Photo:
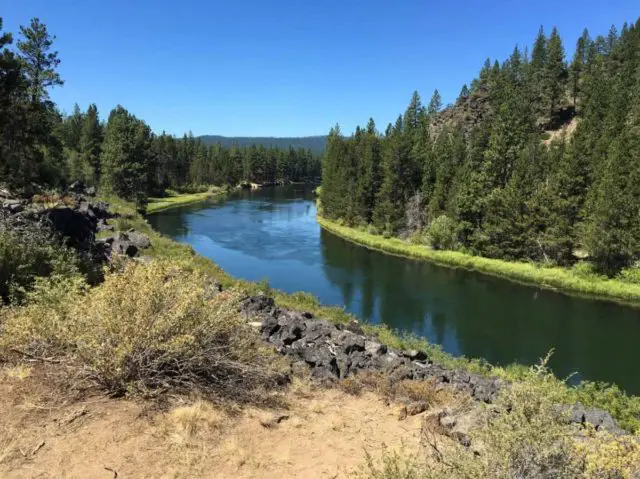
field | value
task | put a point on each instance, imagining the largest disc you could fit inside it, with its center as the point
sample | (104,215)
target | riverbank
(625,408)
(168,306)
(173,199)
(553,278)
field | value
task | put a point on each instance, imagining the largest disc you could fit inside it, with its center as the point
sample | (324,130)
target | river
(272,234)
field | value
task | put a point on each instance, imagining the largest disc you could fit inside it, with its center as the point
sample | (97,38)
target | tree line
(495,174)
(41,146)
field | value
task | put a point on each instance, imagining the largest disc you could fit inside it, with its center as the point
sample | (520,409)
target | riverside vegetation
(535,163)
(168,323)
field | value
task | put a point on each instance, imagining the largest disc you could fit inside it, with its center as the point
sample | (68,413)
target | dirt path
(322,433)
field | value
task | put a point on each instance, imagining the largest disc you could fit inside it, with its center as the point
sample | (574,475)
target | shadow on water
(272,233)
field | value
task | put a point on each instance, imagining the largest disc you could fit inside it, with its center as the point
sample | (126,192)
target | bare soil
(49,432)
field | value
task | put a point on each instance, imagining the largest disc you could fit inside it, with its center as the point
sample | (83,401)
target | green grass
(555,278)
(176,199)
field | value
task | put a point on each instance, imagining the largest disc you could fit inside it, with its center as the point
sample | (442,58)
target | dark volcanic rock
(334,351)
(601,420)
(128,244)
(73,224)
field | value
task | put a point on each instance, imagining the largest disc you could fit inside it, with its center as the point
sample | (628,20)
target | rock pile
(337,351)
(76,220)
(334,351)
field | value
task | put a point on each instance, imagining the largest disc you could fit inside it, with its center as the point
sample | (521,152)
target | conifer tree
(435,105)
(555,73)
(39,62)
(91,142)
(125,157)
(389,212)
(578,65)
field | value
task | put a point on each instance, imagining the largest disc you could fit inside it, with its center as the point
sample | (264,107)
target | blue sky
(287,68)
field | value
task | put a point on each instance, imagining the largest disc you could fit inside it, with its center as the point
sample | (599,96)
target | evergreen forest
(41,147)
(537,160)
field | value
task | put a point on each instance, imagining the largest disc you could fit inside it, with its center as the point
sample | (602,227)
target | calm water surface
(273,234)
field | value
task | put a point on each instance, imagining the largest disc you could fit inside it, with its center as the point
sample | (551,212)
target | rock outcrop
(334,351)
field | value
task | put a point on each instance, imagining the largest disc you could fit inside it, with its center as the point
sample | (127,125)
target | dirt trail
(322,433)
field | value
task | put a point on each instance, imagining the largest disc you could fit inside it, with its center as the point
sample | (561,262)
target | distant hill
(315,143)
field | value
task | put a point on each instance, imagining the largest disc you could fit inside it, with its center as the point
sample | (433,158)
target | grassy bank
(174,199)
(554,278)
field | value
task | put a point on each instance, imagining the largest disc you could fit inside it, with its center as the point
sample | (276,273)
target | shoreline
(157,205)
(555,278)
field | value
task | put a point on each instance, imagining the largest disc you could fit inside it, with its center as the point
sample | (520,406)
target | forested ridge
(316,144)
(40,147)
(538,159)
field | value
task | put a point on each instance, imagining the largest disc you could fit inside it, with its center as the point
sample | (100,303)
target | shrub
(625,408)
(630,275)
(149,328)
(29,250)
(523,435)
(586,271)
(372,229)
(442,233)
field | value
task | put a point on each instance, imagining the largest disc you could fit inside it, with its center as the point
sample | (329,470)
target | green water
(272,233)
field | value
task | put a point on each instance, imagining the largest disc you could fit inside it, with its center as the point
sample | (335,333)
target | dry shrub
(148,328)
(610,457)
(351,385)
(524,435)
(53,199)
(406,389)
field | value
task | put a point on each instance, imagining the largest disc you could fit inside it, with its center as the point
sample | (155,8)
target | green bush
(29,251)
(625,408)
(630,275)
(585,270)
(443,233)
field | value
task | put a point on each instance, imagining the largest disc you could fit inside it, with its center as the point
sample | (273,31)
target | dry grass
(523,435)
(406,391)
(20,372)
(188,423)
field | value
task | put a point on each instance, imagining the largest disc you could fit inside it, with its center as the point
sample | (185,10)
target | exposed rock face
(76,223)
(334,351)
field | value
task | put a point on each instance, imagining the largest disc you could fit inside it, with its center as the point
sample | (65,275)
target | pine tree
(38,61)
(612,230)
(91,142)
(464,93)
(435,105)
(413,122)
(555,73)
(390,207)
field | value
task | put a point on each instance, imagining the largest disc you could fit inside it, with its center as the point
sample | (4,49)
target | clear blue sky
(285,67)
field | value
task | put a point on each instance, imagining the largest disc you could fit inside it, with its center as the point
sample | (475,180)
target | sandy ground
(321,433)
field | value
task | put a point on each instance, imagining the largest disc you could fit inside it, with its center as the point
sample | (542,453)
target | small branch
(31,356)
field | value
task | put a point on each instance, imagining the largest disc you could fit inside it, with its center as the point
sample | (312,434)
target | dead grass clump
(405,390)
(189,422)
(147,329)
